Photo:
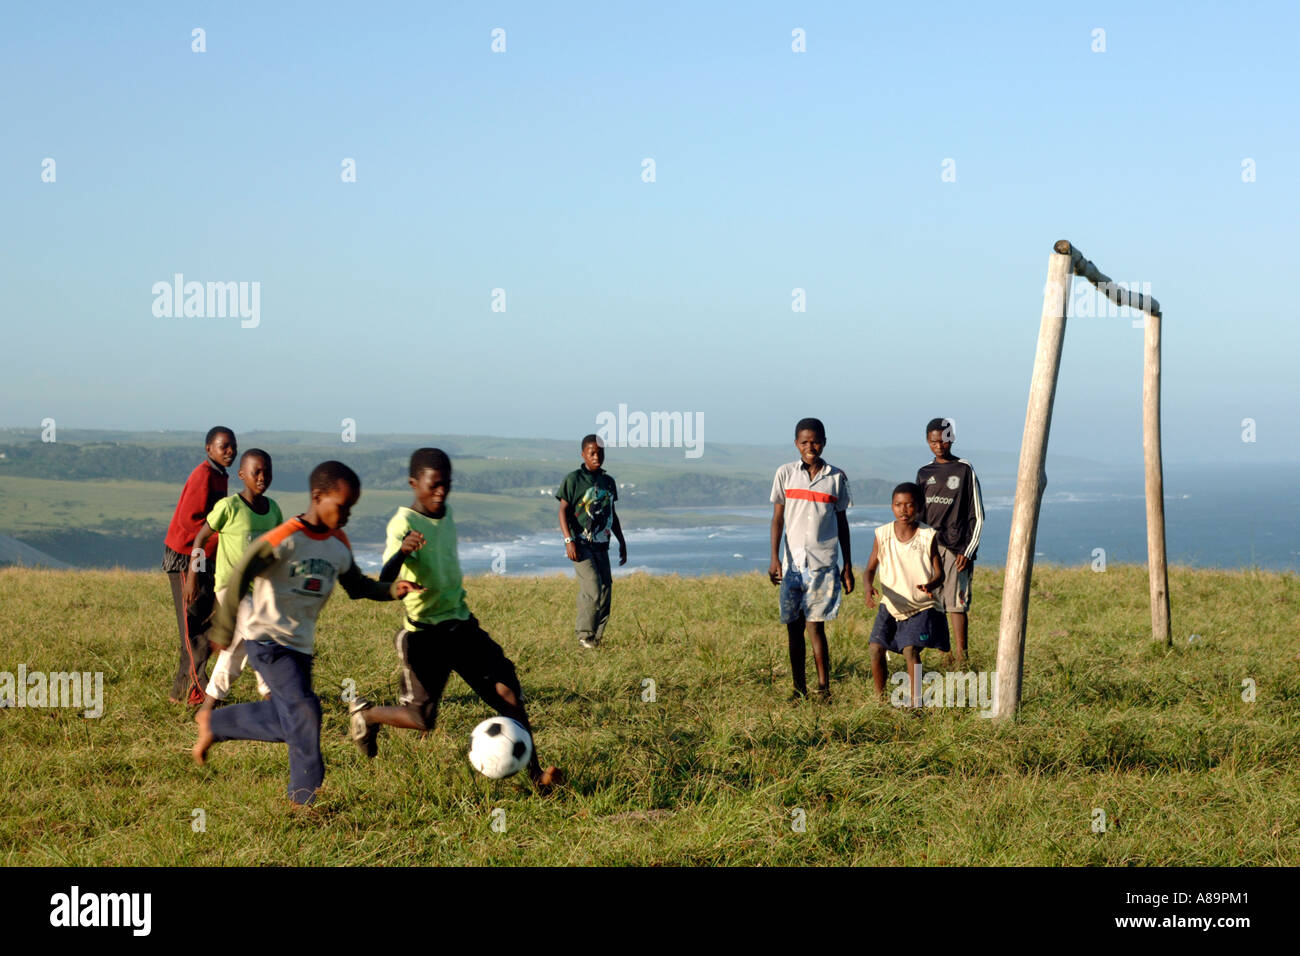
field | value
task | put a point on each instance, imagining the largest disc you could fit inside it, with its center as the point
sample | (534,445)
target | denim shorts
(812,594)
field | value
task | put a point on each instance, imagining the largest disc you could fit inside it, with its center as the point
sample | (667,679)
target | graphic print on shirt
(933,499)
(312,576)
(595,512)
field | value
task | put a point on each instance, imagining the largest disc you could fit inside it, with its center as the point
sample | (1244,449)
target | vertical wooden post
(1031,479)
(1157,564)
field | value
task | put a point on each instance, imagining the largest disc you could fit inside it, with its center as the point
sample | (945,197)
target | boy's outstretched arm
(869,575)
(617,530)
(778,526)
(257,557)
(842,529)
(358,586)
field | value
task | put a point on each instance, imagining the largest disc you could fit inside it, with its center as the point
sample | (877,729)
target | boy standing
(440,634)
(909,619)
(587,518)
(292,572)
(240,520)
(809,501)
(205,486)
(954,508)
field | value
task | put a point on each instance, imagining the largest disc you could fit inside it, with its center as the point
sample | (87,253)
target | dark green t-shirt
(591,497)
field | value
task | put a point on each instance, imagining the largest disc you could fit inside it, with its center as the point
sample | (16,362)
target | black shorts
(429,654)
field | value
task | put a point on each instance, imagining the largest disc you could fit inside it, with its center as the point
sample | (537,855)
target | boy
(292,571)
(809,500)
(587,518)
(205,486)
(910,619)
(240,519)
(954,508)
(440,634)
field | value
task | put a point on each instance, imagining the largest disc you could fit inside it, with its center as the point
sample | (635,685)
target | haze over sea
(1212,516)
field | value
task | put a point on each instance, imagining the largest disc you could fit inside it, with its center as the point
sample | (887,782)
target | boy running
(954,508)
(587,518)
(292,572)
(193,598)
(239,519)
(909,619)
(440,634)
(809,501)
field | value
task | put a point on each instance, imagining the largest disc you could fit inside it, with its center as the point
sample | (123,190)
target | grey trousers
(595,587)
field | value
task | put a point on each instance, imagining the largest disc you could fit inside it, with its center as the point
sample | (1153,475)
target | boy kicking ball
(440,634)
(910,619)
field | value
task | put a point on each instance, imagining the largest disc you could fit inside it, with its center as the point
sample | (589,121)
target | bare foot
(204,719)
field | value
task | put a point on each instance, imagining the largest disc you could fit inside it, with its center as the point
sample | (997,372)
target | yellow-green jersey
(435,567)
(237,526)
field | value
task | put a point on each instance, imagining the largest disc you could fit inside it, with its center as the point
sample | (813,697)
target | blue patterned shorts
(811,594)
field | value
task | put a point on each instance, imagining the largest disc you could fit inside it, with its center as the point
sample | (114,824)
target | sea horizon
(1089,522)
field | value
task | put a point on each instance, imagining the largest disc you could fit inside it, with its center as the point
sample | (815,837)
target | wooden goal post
(1031,478)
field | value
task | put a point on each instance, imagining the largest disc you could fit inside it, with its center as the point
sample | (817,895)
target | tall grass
(718,768)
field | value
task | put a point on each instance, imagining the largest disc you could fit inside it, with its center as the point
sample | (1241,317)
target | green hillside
(103,499)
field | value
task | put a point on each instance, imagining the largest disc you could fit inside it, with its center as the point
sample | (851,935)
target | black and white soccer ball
(499,747)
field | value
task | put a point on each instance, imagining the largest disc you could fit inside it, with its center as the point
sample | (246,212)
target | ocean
(1211,516)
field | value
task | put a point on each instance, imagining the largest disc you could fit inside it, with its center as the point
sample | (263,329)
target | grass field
(713,770)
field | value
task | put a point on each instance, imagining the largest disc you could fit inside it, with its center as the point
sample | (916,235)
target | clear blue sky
(775,170)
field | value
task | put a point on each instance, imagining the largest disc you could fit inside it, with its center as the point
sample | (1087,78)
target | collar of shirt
(220,469)
(824,470)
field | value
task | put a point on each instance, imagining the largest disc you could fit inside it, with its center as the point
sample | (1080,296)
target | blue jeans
(292,715)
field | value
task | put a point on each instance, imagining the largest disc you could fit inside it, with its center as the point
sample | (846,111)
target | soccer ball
(499,747)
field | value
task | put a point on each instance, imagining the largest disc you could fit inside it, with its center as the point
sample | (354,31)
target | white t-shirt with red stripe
(811,534)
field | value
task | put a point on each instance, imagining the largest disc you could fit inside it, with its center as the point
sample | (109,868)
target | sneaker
(823,695)
(588,643)
(364,735)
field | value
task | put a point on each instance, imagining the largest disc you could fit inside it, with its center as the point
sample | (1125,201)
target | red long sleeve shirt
(205,486)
